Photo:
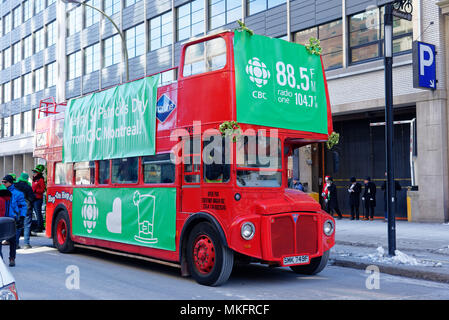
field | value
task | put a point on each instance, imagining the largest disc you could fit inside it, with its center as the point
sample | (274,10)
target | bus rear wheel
(210,261)
(315,266)
(61,233)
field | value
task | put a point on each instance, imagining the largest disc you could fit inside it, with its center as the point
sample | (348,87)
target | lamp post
(122,36)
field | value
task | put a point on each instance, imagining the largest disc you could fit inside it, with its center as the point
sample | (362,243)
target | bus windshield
(259,162)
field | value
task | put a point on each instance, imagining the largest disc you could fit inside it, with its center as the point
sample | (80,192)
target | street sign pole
(389,128)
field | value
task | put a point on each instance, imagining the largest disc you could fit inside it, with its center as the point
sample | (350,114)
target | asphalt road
(44,273)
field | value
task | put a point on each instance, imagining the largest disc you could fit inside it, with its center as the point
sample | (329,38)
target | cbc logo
(258,72)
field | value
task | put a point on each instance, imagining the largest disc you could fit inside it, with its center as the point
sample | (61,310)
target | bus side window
(84,173)
(205,57)
(217,167)
(63,173)
(125,170)
(158,169)
(103,172)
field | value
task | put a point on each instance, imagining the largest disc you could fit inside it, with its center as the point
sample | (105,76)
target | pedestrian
(38,186)
(397,187)
(369,197)
(333,199)
(15,208)
(325,194)
(297,185)
(23,185)
(355,189)
(5,196)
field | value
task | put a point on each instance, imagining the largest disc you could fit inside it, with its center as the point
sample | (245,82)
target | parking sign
(424,65)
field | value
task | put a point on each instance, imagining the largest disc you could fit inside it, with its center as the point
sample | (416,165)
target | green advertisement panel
(115,123)
(279,84)
(138,216)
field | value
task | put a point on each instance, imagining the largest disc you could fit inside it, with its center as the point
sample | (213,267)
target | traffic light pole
(389,128)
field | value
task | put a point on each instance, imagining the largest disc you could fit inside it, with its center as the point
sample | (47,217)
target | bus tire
(210,262)
(61,233)
(315,266)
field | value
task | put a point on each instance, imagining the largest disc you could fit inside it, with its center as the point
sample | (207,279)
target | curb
(408,272)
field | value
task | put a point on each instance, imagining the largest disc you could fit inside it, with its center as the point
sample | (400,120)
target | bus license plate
(296,260)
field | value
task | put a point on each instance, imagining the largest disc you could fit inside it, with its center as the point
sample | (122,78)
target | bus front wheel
(316,265)
(210,262)
(61,233)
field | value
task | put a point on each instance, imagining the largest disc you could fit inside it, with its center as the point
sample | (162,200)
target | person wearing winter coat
(39,190)
(23,185)
(333,199)
(5,196)
(369,197)
(354,190)
(16,208)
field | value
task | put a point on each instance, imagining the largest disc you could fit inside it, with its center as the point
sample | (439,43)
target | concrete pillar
(9,164)
(18,164)
(2,169)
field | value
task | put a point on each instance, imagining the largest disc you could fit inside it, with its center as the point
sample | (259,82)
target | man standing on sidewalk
(333,199)
(23,185)
(369,197)
(39,189)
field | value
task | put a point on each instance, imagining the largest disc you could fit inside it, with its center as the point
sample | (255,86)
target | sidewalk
(423,248)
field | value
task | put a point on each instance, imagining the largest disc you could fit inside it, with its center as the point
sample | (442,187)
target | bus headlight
(328,227)
(248,230)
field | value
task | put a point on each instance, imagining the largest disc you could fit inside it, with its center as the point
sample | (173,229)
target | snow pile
(399,258)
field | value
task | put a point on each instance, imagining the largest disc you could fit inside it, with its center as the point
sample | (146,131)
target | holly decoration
(230,129)
(244,27)
(334,138)
(314,46)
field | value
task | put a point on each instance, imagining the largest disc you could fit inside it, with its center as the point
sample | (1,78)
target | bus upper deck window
(103,172)
(158,169)
(125,170)
(205,57)
(63,173)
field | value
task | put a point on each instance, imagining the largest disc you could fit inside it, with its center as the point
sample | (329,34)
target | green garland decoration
(314,46)
(333,140)
(230,129)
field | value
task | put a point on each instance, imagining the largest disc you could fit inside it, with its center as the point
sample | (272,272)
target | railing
(49,106)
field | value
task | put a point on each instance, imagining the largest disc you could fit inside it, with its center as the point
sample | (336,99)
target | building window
(112,50)
(255,6)
(28,122)
(27,10)
(7,23)
(52,33)
(39,5)
(17,52)
(366,35)
(1,60)
(111,6)
(51,74)
(190,20)
(92,58)
(222,12)
(27,47)
(92,16)
(74,20)
(28,84)
(39,38)
(74,65)
(331,38)
(135,40)
(39,79)
(17,16)
(17,124)
(161,34)
(7,56)
(130,2)
(50,2)
(17,88)
(6,127)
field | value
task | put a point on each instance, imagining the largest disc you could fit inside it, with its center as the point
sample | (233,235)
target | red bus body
(288,222)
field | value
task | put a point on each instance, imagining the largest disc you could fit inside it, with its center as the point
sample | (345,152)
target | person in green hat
(38,186)
(24,185)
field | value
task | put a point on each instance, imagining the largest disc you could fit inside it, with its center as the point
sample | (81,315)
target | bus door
(191,175)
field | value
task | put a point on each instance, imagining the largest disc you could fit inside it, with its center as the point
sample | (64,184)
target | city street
(44,273)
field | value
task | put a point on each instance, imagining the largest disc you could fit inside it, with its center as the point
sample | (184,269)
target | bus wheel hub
(204,254)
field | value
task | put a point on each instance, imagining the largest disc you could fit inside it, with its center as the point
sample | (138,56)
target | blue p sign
(424,65)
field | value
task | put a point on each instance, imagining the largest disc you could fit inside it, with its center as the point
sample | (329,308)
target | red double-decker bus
(149,169)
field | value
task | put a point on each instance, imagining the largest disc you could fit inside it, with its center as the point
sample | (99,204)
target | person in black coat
(354,190)
(369,197)
(333,199)
(24,186)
